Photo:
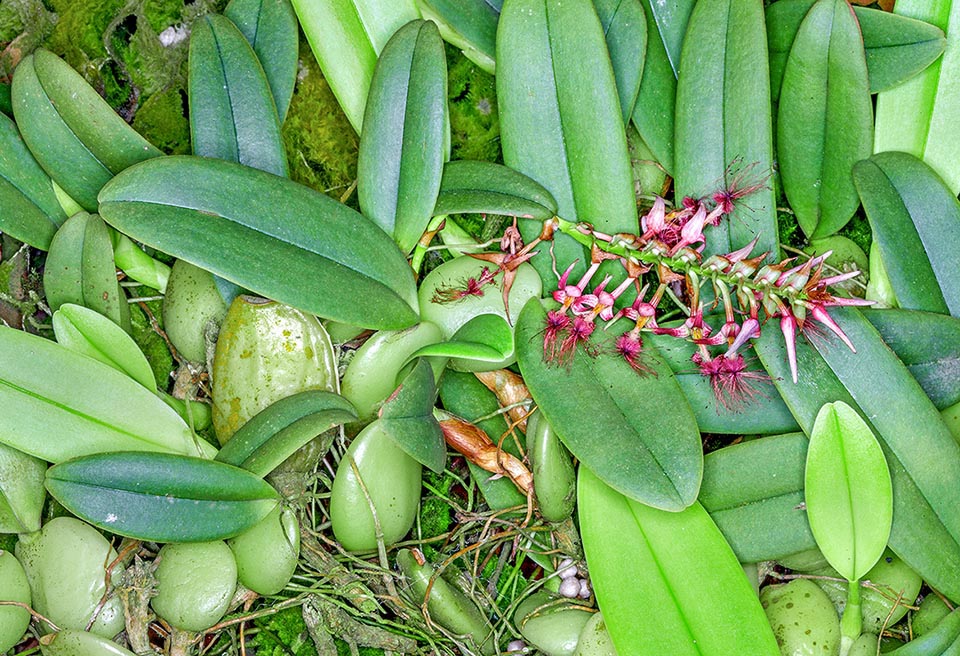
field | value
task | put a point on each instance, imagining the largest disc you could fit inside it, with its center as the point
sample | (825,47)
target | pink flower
(629,346)
(733,384)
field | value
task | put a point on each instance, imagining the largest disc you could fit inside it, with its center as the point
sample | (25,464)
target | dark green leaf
(487,338)
(407,139)
(625,28)
(486,188)
(671,19)
(723,121)
(653,114)
(161,497)
(239,222)
(642,558)
(825,118)
(635,432)
(941,641)
(407,418)
(470,25)
(916,226)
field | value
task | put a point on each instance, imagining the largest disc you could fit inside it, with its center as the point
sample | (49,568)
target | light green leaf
(486,188)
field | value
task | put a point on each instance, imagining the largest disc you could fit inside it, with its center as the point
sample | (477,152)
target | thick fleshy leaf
(80,269)
(470,186)
(407,418)
(465,396)
(915,219)
(88,332)
(346,36)
(653,113)
(470,25)
(270,26)
(929,344)
(232,112)
(920,116)
(625,28)
(847,490)
(897,47)
(276,432)
(239,223)
(671,20)
(921,454)
(486,339)
(942,640)
(22,494)
(641,558)
(564,134)
(31,213)
(637,433)
(161,497)
(407,139)
(825,118)
(754,493)
(63,405)
(723,120)
(763,414)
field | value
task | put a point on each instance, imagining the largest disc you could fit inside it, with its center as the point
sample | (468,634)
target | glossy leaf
(671,18)
(625,29)
(270,27)
(32,213)
(723,121)
(470,25)
(74,134)
(653,114)
(276,432)
(80,269)
(407,139)
(346,36)
(754,493)
(941,641)
(88,332)
(765,414)
(64,405)
(640,558)
(22,494)
(161,497)
(849,497)
(921,453)
(407,418)
(825,118)
(232,113)
(483,343)
(636,433)
(564,134)
(479,187)
(178,205)
(929,344)
(916,225)
(897,47)
(920,116)
(554,476)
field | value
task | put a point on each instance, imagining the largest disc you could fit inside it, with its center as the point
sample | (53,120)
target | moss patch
(474,122)
(162,122)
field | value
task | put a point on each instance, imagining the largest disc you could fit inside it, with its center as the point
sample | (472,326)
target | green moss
(161,121)
(161,14)
(283,634)
(858,230)
(474,122)
(78,36)
(11,24)
(321,145)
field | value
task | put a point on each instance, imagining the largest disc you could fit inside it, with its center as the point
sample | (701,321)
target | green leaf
(929,344)
(564,134)
(478,187)
(920,116)
(228,218)
(407,139)
(723,120)
(276,432)
(481,344)
(63,405)
(346,36)
(22,494)
(625,29)
(271,28)
(825,118)
(921,454)
(915,219)
(653,114)
(672,19)
(635,432)
(470,25)
(941,641)
(849,497)
(641,558)
(232,113)
(897,47)
(32,213)
(763,414)
(407,418)
(161,497)
(754,493)
(88,332)
(80,269)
